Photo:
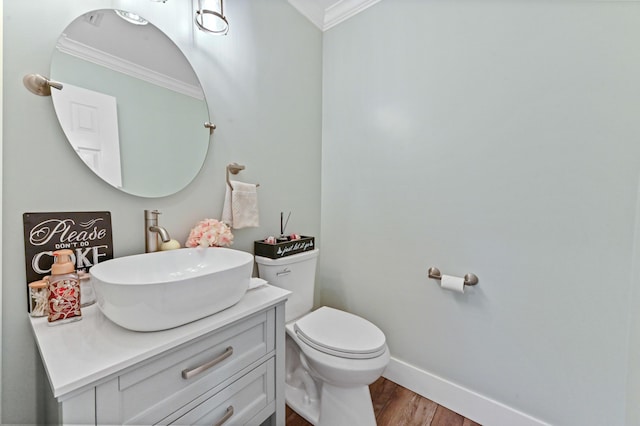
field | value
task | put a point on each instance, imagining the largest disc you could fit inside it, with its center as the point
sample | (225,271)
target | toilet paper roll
(452,283)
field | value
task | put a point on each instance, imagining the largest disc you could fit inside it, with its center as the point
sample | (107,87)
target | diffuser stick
(283,225)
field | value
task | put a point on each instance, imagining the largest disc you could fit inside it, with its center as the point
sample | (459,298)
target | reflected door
(90,121)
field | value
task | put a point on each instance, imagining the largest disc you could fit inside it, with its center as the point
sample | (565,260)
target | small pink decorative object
(294,237)
(270,240)
(210,233)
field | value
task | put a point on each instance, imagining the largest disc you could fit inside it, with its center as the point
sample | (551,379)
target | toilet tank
(295,273)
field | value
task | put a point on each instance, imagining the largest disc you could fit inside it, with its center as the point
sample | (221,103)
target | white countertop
(80,353)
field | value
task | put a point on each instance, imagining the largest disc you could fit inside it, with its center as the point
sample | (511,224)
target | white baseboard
(463,401)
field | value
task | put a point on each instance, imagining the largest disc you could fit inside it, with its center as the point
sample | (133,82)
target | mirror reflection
(131,105)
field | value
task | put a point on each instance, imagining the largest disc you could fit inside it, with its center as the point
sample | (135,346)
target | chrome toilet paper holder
(469,279)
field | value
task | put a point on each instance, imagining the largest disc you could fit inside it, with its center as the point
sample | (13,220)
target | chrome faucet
(152,230)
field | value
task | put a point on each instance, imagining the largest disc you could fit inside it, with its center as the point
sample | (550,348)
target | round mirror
(131,105)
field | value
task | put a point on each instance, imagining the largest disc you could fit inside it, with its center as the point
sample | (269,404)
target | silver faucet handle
(151,214)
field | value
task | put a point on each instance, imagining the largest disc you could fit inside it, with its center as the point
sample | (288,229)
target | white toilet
(331,356)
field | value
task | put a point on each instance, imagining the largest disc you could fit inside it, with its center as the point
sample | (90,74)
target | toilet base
(336,407)
(298,400)
(346,406)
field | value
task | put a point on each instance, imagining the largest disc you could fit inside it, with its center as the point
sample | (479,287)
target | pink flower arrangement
(210,233)
(274,240)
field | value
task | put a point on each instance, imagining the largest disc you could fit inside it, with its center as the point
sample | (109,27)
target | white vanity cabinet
(224,369)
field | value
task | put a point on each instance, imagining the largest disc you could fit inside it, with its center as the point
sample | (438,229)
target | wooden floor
(394,405)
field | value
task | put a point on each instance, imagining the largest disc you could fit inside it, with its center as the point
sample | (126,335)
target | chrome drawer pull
(187,374)
(227,416)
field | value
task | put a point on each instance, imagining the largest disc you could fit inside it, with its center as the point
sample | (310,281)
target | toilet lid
(340,334)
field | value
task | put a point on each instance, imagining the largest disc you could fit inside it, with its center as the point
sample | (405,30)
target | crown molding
(343,10)
(99,57)
(310,10)
(330,16)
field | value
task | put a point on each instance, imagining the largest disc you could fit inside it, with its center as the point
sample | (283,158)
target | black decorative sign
(286,248)
(87,234)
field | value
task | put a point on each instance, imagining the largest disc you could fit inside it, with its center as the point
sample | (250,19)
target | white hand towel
(240,208)
(226,207)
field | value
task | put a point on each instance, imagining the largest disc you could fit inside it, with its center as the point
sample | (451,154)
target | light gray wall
(499,138)
(264,85)
(1,133)
(633,377)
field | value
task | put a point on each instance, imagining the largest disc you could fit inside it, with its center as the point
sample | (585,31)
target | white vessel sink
(161,290)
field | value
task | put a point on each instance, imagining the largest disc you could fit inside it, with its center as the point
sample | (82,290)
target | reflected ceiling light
(131,17)
(210,17)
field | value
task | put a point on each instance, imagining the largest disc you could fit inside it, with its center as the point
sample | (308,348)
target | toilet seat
(340,334)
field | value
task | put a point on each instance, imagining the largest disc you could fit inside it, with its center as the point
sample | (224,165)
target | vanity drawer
(158,388)
(236,404)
